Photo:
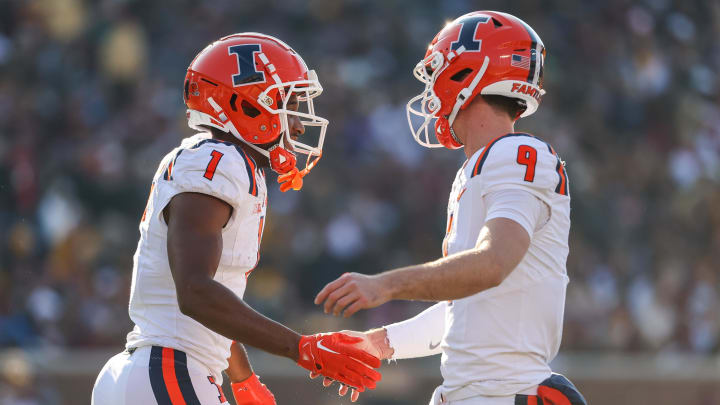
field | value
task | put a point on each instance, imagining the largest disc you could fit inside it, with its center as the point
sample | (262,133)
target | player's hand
(372,342)
(342,390)
(334,355)
(252,392)
(353,292)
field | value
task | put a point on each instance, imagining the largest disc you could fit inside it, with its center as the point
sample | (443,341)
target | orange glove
(375,343)
(252,392)
(334,355)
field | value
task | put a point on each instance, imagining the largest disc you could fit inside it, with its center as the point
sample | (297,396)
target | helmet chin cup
(281,160)
(443,134)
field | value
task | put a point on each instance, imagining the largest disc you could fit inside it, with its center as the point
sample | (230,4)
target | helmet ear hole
(249,110)
(461,75)
(233,99)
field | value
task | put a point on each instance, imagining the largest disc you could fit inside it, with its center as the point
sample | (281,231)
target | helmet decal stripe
(534,53)
(533,60)
(534,41)
(538,64)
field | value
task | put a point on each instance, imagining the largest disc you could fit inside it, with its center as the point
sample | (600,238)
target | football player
(201,231)
(500,285)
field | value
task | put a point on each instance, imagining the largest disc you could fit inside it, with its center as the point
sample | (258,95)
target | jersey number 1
(527,156)
(210,171)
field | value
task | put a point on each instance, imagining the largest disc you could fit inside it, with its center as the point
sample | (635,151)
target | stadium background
(90,99)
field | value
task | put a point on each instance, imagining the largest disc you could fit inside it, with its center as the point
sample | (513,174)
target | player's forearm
(453,277)
(220,310)
(239,368)
(418,336)
(501,245)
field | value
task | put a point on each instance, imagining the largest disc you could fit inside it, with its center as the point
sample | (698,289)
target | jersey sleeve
(214,169)
(518,205)
(520,162)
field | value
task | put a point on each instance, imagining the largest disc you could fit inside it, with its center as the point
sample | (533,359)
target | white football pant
(152,375)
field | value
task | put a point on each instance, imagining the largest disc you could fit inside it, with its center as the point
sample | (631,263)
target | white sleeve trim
(419,336)
(518,205)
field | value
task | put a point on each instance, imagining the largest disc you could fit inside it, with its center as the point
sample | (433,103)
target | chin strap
(452,133)
(464,95)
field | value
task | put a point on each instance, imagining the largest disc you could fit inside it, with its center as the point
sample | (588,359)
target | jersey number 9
(527,156)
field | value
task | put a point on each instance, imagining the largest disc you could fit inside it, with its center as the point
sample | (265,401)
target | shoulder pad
(520,159)
(213,167)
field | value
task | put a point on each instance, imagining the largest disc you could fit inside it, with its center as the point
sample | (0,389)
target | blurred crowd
(90,100)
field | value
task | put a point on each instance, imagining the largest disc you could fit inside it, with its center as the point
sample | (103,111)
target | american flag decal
(520,61)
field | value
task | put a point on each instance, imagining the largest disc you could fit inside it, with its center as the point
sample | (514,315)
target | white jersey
(220,169)
(500,341)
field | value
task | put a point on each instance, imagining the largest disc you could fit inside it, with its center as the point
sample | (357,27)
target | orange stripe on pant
(553,396)
(171,383)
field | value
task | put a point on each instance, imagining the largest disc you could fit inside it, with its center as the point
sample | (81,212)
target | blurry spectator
(90,99)
(17,383)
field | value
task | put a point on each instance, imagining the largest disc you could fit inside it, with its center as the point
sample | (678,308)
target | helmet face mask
(426,104)
(304,91)
(242,84)
(483,52)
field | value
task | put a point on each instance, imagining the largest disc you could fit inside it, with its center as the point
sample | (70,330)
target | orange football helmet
(242,83)
(483,52)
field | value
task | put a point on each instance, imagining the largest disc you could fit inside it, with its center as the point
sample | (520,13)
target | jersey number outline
(527,156)
(210,171)
(221,396)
